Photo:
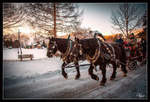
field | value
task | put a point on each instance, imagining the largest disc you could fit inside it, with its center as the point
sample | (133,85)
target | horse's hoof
(124,75)
(66,76)
(112,78)
(97,78)
(77,77)
(102,84)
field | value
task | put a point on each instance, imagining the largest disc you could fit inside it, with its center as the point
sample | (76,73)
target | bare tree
(143,34)
(53,17)
(12,15)
(126,19)
(39,15)
(144,19)
(83,33)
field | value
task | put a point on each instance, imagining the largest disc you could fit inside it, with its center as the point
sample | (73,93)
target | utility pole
(54,6)
(126,5)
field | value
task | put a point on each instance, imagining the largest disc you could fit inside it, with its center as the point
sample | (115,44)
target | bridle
(54,46)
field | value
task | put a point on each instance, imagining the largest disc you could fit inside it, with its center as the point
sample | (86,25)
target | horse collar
(97,53)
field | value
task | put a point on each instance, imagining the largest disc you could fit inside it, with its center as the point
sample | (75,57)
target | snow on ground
(131,87)
(31,68)
(12,54)
(41,78)
(28,68)
(40,65)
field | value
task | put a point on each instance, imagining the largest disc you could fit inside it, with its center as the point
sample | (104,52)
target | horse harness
(66,54)
(96,55)
(110,50)
(110,55)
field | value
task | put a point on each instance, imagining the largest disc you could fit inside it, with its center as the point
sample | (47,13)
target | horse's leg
(103,69)
(124,70)
(63,70)
(78,71)
(113,76)
(93,76)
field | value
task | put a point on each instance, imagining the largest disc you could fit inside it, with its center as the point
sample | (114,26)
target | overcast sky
(98,15)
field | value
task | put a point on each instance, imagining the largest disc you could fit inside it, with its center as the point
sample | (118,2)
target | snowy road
(52,85)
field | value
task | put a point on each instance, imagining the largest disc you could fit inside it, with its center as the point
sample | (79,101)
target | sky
(97,16)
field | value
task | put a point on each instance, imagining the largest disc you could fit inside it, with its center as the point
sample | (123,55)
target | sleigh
(133,56)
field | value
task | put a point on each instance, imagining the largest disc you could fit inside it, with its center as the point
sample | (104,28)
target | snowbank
(12,54)
(13,68)
(31,68)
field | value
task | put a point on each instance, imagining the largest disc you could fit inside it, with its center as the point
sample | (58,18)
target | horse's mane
(61,41)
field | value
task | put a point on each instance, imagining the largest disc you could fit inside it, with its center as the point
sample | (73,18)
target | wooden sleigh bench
(21,57)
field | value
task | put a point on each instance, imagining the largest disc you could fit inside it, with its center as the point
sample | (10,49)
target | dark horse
(64,47)
(100,53)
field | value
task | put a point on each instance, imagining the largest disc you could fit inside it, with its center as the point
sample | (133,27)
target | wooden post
(19,43)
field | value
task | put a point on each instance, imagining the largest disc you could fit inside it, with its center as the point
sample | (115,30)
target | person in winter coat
(133,44)
(119,39)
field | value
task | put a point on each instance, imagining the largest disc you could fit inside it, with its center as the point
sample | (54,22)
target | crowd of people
(133,44)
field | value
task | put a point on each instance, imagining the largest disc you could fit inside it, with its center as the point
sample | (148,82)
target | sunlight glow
(25,30)
(61,33)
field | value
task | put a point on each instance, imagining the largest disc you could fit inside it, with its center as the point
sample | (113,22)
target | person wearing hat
(133,44)
(132,39)
(119,39)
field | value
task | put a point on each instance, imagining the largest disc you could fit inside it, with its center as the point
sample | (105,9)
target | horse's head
(77,50)
(52,47)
